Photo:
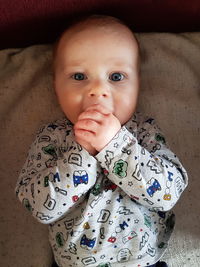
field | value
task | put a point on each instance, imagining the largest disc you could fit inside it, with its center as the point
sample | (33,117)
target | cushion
(170,92)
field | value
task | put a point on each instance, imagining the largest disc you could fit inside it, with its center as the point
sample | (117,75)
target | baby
(103,177)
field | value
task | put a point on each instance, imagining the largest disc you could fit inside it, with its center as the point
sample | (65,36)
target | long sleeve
(57,173)
(138,160)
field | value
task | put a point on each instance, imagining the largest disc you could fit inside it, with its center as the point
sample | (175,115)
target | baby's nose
(98,94)
(99,91)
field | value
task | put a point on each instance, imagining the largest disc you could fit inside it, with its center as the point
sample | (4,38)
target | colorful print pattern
(113,209)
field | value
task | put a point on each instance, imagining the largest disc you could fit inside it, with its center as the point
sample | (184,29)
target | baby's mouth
(96,105)
(99,105)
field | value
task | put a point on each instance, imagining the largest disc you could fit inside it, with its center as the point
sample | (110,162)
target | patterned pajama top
(108,210)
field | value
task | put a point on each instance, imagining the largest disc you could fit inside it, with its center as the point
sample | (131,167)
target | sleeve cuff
(118,145)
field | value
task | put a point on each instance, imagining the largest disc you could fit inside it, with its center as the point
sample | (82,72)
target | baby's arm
(56,175)
(144,167)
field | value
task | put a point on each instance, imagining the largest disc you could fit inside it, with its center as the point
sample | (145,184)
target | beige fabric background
(170,92)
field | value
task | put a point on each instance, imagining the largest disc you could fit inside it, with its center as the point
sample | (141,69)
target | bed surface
(170,92)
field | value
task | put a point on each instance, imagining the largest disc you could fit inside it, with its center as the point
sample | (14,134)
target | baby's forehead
(111,26)
(93,29)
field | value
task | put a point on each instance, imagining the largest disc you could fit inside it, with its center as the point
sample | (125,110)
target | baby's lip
(96,105)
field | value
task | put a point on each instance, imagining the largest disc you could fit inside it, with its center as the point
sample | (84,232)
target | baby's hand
(96,126)
(86,145)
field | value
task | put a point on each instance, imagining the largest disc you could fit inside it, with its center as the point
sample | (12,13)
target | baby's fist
(97,126)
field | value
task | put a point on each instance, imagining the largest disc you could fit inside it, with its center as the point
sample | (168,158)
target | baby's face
(97,66)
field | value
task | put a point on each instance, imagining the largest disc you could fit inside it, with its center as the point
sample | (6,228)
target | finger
(99,108)
(87,125)
(84,135)
(91,114)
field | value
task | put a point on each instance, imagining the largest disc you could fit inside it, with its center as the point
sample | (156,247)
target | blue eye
(116,77)
(78,76)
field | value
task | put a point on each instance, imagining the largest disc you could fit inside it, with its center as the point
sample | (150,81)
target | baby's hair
(99,20)
(91,20)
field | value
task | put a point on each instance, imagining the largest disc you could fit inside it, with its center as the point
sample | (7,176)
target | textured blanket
(170,92)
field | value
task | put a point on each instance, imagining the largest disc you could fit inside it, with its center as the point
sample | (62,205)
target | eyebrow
(122,64)
(78,63)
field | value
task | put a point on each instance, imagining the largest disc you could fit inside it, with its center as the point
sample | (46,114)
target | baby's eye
(79,76)
(115,77)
